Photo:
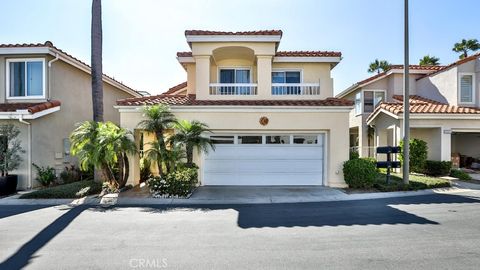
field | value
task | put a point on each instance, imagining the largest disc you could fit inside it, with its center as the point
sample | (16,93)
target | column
(134,162)
(202,76)
(264,76)
(446,144)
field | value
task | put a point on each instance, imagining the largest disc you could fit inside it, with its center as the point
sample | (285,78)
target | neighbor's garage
(265,159)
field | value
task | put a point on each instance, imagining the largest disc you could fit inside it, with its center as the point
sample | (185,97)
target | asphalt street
(419,232)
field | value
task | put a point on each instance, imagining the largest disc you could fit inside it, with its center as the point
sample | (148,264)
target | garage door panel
(258,166)
(255,179)
(266,152)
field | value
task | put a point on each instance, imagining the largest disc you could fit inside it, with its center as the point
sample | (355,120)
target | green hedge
(460,174)
(360,172)
(179,183)
(437,168)
(67,191)
(418,155)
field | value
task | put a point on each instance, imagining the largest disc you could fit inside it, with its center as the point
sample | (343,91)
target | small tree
(10,149)
(190,134)
(466,46)
(418,155)
(378,66)
(104,146)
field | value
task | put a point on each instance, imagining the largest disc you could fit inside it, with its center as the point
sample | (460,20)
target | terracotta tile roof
(174,89)
(419,105)
(287,54)
(49,44)
(240,33)
(190,100)
(454,64)
(30,107)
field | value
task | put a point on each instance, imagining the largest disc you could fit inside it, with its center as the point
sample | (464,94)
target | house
(444,110)
(46,91)
(272,115)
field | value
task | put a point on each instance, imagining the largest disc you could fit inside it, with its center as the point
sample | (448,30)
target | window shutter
(466,88)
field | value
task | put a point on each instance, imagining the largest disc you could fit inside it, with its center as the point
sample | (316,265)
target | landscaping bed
(66,191)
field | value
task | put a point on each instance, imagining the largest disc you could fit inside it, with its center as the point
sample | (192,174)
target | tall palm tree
(466,46)
(428,60)
(378,66)
(96,54)
(189,134)
(105,147)
(158,120)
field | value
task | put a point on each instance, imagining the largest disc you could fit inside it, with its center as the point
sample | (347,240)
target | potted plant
(10,159)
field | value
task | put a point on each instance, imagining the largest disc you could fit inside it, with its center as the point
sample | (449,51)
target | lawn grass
(417,182)
(66,191)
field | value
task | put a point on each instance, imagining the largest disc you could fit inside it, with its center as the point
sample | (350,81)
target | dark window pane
(278,77)
(17,79)
(222,139)
(278,139)
(305,139)
(35,78)
(292,77)
(249,139)
(227,76)
(368,102)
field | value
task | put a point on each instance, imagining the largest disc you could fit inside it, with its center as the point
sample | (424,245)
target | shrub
(67,191)
(145,172)
(360,173)
(437,168)
(354,154)
(45,175)
(70,174)
(418,155)
(178,183)
(460,174)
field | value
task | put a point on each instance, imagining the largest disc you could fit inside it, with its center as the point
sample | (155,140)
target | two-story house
(444,110)
(272,114)
(45,92)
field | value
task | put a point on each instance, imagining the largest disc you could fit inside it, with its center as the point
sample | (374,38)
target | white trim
(7,77)
(24,114)
(233,38)
(459,92)
(230,108)
(374,91)
(188,59)
(25,50)
(306,59)
(378,112)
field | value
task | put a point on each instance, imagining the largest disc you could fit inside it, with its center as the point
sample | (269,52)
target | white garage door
(265,160)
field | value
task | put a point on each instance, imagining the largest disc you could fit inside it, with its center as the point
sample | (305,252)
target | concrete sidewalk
(240,195)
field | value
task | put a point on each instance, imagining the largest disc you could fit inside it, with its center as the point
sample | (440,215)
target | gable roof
(229,33)
(29,48)
(420,105)
(454,64)
(384,74)
(176,88)
(190,100)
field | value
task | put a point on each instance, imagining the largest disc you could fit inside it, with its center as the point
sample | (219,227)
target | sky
(141,37)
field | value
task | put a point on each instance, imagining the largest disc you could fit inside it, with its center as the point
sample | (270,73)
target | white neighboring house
(444,110)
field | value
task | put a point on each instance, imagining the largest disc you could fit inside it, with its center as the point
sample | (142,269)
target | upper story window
(25,78)
(230,75)
(466,88)
(367,100)
(233,81)
(289,82)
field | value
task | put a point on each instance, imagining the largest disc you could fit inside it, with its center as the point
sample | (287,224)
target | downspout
(20,119)
(49,71)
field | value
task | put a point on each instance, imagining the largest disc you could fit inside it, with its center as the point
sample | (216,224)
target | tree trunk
(121,167)
(96,61)
(163,153)
(189,155)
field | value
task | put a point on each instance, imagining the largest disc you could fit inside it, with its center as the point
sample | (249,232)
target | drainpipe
(49,71)
(20,119)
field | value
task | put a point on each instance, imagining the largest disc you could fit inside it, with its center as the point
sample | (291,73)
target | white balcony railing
(295,89)
(233,89)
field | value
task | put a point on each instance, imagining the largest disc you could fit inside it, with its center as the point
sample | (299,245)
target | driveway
(418,232)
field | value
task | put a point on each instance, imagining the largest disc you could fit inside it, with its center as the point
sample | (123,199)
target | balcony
(233,89)
(295,89)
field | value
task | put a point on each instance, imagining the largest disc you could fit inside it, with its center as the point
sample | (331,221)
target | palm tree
(189,134)
(104,146)
(378,66)
(465,46)
(159,119)
(96,54)
(428,60)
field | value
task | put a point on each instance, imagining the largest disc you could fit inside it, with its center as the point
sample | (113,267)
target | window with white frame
(26,78)
(358,103)
(371,99)
(280,78)
(466,88)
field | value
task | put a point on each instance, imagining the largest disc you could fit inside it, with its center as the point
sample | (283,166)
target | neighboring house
(444,110)
(45,93)
(272,114)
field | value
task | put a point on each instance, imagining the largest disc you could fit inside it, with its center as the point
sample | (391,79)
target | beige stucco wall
(432,137)
(335,124)
(73,88)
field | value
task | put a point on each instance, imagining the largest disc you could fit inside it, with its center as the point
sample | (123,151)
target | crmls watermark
(143,263)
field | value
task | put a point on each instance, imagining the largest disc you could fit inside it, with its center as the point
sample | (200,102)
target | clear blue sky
(141,37)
